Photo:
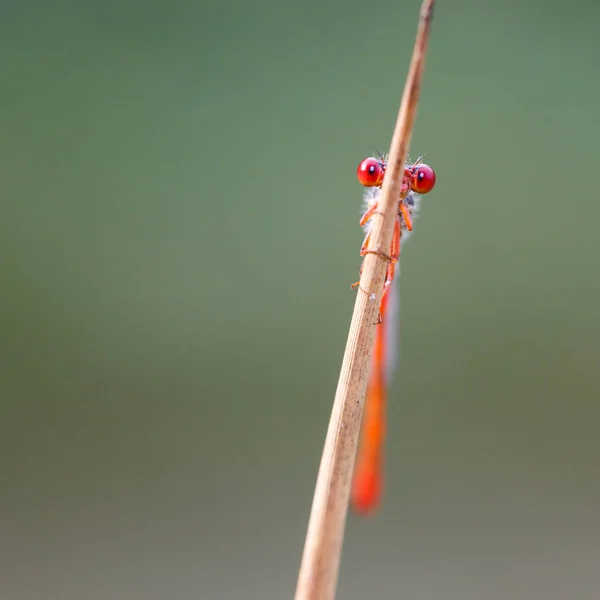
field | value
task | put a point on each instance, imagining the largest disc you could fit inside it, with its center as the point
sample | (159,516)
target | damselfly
(418,178)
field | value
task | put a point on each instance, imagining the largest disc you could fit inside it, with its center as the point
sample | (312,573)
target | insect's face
(420,176)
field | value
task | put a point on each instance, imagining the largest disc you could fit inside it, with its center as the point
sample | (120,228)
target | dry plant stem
(318,575)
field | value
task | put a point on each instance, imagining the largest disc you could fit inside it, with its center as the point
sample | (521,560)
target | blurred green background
(174,308)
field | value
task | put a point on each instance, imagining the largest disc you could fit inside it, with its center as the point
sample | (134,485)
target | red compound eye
(423,179)
(370,172)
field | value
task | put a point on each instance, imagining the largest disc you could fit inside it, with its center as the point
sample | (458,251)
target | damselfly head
(420,176)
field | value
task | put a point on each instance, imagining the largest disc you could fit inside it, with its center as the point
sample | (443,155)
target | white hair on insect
(412,202)
(391,320)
